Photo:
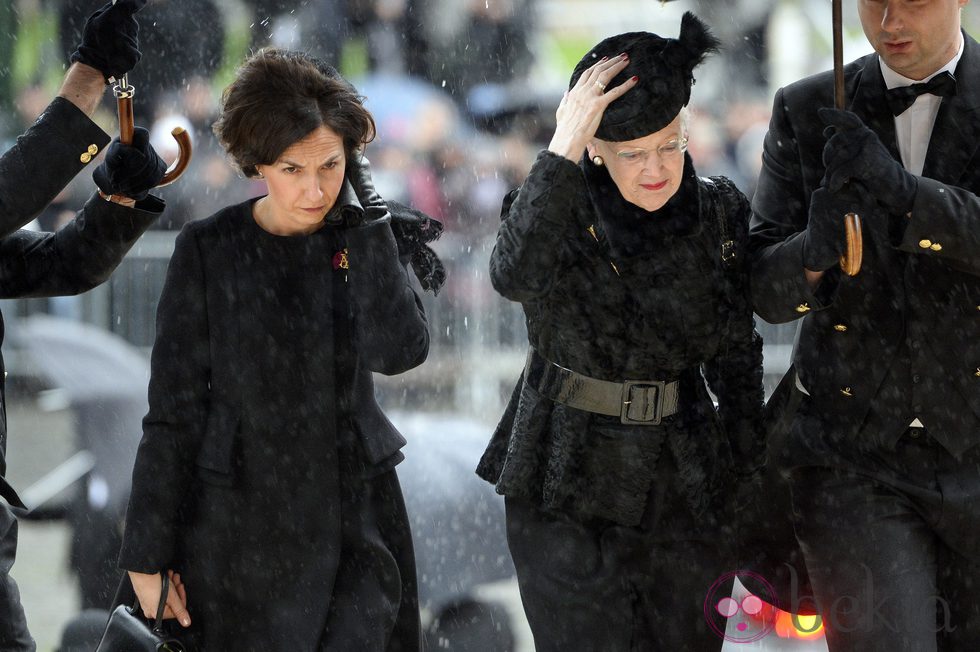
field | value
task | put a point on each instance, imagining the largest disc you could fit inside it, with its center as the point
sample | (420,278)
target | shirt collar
(894,80)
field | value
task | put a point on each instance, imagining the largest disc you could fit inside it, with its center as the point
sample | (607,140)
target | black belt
(638,402)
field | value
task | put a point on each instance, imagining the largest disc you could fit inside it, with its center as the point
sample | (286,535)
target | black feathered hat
(665,68)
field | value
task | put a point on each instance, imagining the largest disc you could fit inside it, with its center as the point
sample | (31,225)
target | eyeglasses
(669,150)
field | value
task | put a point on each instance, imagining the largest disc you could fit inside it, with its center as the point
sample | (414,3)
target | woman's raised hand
(581,108)
(148,588)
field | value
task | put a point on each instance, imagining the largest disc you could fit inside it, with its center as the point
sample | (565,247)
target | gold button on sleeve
(85,157)
(93,149)
(935,246)
(803,307)
(840,328)
(925,243)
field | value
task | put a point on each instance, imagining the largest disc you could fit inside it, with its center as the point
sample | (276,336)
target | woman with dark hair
(615,463)
(264,486)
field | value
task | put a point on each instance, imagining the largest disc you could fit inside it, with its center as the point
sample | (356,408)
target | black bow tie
(902,97)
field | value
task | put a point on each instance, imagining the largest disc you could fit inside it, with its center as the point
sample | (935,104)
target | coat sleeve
(390,330)
(944,223)
(77,257)
(531,239)
(780,292)
(43,160)
(735,374)
(173,429)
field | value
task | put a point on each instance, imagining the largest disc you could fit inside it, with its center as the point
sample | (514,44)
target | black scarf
(627,229)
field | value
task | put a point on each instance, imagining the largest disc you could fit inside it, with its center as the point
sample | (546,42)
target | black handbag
(128,631)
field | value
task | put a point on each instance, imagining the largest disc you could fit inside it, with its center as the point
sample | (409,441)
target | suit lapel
(869,103)
(956,134)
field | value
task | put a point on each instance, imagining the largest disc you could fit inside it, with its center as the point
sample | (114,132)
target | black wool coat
(238,478)
(643,300)
(902,338)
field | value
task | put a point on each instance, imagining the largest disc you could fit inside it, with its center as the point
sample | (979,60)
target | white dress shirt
(913,128)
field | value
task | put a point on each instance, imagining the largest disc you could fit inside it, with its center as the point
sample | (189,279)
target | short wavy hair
(278,98)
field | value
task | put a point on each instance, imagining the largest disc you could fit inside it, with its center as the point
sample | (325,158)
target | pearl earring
(597,160)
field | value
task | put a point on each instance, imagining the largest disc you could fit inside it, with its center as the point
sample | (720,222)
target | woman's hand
(148,588)
(581,108)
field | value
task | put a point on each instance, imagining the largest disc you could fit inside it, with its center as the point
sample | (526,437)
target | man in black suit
(84,252)
(882,454)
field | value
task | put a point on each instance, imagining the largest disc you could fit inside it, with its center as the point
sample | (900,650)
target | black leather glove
(130,170)
(110,39)
(359,174)
(854,152)
(825,239)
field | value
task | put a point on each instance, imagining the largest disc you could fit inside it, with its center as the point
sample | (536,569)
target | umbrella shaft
(838,55)
(124,105)
(126,120)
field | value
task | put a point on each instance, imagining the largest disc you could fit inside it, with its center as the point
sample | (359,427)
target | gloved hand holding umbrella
(110,44)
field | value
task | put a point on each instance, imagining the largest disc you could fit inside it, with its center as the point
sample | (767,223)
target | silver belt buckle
(642,402)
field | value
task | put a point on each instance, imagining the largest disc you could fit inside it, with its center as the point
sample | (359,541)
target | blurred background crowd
(464,93)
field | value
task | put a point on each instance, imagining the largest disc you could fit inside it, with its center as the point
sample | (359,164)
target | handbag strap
(726,235)
(158,624)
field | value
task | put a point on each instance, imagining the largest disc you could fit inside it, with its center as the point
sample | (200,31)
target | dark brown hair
(278,98)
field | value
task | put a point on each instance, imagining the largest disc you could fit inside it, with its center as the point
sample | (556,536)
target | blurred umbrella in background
(102,379)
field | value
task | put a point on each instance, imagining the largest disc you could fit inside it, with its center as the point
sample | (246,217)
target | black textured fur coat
(640,296)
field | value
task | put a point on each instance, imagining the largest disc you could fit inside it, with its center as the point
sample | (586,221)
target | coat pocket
(214,459)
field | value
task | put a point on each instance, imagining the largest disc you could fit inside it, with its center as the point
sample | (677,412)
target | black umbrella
(104,381)
(457,519)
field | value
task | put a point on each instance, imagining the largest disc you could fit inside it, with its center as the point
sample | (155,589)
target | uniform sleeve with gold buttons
(943,223)
(44,159)
(780,292)
(79,256)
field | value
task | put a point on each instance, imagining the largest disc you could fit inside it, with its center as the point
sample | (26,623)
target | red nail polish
(634,78)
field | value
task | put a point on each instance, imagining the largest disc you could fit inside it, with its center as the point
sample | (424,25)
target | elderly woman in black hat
(616,464)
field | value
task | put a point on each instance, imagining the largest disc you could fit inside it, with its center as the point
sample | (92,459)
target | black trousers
(892,542)
(592,585)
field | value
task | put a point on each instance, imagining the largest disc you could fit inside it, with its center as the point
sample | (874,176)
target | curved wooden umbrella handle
(850,262)
(124,104)
(183,156)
